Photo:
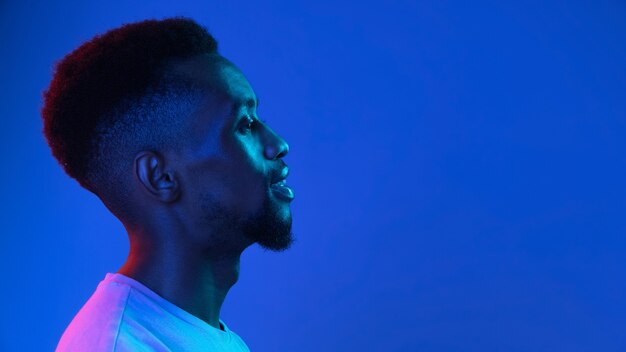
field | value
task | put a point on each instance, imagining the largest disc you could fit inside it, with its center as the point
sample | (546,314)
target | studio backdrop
(459,169)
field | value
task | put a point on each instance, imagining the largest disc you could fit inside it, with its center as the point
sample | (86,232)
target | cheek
(234,184)
(248,191)
(244,181)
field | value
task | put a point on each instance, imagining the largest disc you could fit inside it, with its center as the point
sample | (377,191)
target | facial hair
(266,227)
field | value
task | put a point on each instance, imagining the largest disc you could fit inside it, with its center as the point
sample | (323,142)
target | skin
(202,206)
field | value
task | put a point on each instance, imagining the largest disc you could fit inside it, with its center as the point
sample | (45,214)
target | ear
(150,172)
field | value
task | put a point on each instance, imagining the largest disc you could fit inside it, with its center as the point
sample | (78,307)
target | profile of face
(231,163)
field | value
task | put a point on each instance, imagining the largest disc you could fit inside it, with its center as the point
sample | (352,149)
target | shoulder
(96,325)
(239,343)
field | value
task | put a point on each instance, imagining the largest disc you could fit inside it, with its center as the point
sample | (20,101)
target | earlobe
(152,177)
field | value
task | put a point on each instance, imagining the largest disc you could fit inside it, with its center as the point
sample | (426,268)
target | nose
(275,147)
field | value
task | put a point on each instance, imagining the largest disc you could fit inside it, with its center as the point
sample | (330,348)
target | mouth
(282,191)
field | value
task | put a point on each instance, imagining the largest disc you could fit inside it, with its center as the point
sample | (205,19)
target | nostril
(284,150)
(273,152)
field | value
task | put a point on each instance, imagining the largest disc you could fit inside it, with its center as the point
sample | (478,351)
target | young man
(164,130)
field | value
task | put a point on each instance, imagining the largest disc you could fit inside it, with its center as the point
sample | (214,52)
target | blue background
(459,170)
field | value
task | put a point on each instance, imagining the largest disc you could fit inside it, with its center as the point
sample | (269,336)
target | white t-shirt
(125,315)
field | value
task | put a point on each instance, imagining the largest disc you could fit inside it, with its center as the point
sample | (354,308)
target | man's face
(230,164)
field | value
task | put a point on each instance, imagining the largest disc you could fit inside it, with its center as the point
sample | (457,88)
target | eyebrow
(251,102)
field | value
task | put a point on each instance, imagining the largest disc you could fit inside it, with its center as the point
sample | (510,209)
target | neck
(196,282)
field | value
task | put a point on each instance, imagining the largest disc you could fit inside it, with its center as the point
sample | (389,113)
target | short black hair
(113,92)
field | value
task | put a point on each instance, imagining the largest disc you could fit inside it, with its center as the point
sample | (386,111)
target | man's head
(151,119)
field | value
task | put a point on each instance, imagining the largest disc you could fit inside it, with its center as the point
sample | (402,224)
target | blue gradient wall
(459,170)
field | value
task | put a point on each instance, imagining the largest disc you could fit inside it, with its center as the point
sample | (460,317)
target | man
(164,130)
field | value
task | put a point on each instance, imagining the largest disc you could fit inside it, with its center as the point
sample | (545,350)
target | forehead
(219,78)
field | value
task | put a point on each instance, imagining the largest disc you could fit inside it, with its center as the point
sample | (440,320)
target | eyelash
(251,122)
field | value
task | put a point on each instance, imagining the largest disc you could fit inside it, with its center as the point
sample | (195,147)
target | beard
(270,227)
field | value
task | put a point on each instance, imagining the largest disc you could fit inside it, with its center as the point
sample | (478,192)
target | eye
(250,123)
(247,125)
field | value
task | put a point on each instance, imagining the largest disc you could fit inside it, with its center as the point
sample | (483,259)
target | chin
(277,244)
(270,227)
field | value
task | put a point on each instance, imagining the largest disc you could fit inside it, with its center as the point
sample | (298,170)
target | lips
(282,191)
(280,188)
(281,176)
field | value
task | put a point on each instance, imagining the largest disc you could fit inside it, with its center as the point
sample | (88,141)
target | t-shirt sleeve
(96,326)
